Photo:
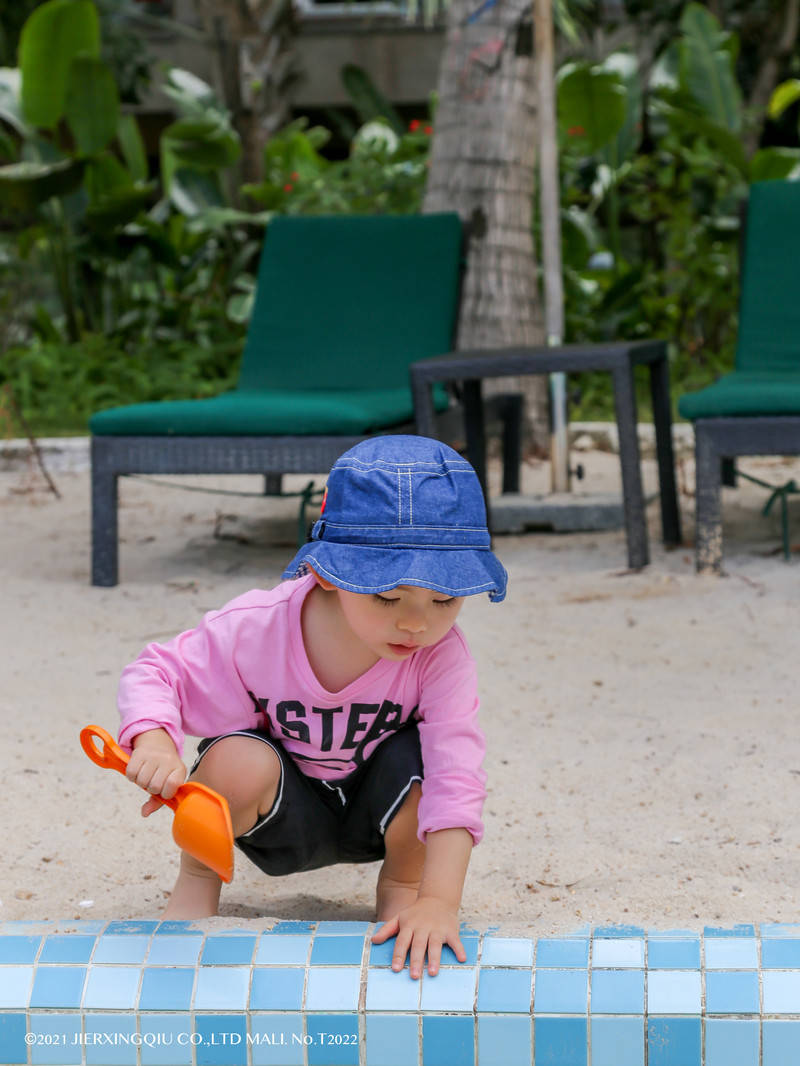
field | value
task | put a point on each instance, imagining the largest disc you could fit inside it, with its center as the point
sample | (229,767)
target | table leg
(708,502)
(476,433)
(421,392)
(662,419)
(632,494)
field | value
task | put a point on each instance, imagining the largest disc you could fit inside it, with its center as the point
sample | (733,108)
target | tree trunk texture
(482,165)
(257,67)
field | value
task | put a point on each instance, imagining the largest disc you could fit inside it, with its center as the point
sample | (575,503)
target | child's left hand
(427,924)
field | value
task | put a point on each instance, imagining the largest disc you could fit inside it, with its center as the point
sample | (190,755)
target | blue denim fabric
(403,510)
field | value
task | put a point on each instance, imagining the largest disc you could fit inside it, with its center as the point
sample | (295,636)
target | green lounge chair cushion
(745,393)
(275,413)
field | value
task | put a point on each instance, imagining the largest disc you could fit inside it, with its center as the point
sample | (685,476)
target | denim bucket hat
(403,510)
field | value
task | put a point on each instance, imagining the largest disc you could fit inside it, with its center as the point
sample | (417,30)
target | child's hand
(426,925)
(156,767)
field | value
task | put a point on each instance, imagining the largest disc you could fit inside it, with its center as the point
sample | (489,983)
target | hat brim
(452,571)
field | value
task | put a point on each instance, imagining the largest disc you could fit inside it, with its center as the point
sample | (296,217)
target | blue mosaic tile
(228,951)
(105,1036)
(335,1040)
(561,992)
(781,929)
(471,944)
(561,953)
(59,1039)
(337,950)
(359,929)
(617,1041)
(677,954)
(507,951)
(735,930)
(628,951)
(732,993)
(732,1042)
(13,1030)
(167,988)
(618,992)
(448,1041)
(283,950)
(560,1042)
(125,949)
(780,1043)
(165,1040)
(449,990)
(388,991)
(674,1042)
(75,949)
(293,928)
(223,1040)
(15,986)
(177,927)
(276,1041)
(674,992)
(392,1040)
(505,991)
(672,934)
(780,954)
(333,989)
(277,988)
(112,987)
(615,932)
(381,954)
(503,1040)
(19,949)
(133,928)
(731,953)
(174,950)
(58,987)
(781,992)
(222,988)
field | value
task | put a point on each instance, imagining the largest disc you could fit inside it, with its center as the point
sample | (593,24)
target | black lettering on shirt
(259,702)
(326,714)
(297,730)
(354,723)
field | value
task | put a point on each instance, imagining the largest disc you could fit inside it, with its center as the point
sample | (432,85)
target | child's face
(394,624)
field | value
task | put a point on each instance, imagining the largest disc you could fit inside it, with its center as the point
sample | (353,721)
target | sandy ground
(643,749)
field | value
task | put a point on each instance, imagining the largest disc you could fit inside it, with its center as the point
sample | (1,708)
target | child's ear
(321,581)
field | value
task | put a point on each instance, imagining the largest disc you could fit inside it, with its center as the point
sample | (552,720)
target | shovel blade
(202,827)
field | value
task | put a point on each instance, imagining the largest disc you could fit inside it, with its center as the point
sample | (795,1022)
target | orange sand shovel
(202,822)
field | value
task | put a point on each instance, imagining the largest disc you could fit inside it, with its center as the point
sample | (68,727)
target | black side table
(618,359)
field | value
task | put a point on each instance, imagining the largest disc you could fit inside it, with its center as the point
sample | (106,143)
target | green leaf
(10,102)
(783,96)
(201,144)
(132,146)
(368,100)
(774,164)
(23,186)
(91,104)
(193,193)
(685,122)
(52,36)
(591,105)
(707,67)
(119,207)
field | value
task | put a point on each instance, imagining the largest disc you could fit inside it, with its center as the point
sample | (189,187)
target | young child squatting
(339,709)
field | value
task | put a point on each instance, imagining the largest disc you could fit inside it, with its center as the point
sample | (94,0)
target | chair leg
(662,419)
(105,548)
(273,484)
(708,493)
(728,467)
(632,493)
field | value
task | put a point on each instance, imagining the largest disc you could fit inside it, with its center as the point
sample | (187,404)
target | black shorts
(316,823)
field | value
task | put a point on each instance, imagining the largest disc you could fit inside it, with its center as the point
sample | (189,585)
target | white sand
(644,756)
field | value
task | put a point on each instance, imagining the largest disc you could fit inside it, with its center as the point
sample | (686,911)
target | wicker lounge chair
(344,305)
(755,410)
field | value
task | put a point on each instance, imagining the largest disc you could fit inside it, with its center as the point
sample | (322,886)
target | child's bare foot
(196,892)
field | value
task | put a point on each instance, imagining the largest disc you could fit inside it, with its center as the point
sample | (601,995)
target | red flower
(294,175)
(414,125)
(429,130)
(576,131)
(288,187)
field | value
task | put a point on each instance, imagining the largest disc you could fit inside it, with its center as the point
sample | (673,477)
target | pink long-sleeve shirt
(245,667)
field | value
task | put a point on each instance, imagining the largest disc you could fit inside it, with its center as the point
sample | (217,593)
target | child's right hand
(156,767)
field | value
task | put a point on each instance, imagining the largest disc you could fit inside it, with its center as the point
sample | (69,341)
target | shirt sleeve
(452,742)
(189,685)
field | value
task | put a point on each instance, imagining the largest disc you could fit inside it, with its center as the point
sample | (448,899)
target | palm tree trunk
(482,165)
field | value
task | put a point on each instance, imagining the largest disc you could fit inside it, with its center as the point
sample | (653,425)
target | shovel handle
(110,756)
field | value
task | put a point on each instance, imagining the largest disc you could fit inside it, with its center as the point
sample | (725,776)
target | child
(340,708)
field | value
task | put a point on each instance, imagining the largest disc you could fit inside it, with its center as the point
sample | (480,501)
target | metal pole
(551,237)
